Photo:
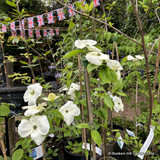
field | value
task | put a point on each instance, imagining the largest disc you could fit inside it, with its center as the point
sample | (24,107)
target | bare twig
(157,14)
(157,67)
(91,17)
(146,64)
(153,46)
(145,17)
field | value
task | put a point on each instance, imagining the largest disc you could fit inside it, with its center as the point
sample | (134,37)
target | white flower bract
(84,43)
(69,111)
(118,105)
(118,73)
(93,49)
(130,58)
(96,58)
(32,110)
(32,93)
(37,127)
(74,87)
(114,65)
(139,57)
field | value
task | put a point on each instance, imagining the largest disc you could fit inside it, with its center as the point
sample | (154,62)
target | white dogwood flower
(139,57)
(32,110)
(118,73)
(51,97)
(69,111)
(93,49)
(73,87)
(64,88)
(96,58)
(114,65)
(118,105)
(130,58)
(37,127)
(84,43)
(32,93)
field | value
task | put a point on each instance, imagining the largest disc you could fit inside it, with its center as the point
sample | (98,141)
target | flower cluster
(96,57)
(118,105)
(37,126)
(137,57)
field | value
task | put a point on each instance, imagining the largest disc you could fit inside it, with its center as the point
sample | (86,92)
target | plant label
(36,153)
(51,135)
(139,124)
(130,133)
(146,143)
(98,150)
(120,142)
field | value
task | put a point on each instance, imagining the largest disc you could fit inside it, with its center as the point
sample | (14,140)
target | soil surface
(129,113)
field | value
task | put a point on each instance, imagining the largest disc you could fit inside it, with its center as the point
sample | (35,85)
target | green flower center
(67,111)
(34,127)
(32,92)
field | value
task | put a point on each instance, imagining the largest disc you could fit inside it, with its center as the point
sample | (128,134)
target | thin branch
(91,17)
(157,14)
(146,64)
(145,19)
(153,46)
(146,15)
(157,67)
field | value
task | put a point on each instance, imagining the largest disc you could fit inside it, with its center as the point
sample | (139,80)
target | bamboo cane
(90,113)
(82,109)
(43,150)
(3,146)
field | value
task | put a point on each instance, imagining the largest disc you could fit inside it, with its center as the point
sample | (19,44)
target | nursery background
(79,79)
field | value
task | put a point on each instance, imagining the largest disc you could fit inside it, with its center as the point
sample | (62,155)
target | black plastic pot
(123,154)
(70,156)
(109,158)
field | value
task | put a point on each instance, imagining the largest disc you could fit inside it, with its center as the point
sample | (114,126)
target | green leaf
(121,94)
(11,4)
(99,89)
(118,85)
(91,67)
(104,75)
(83,125)
(56,113)
(4,109)
(104,113)
(47,53)
(108,101)
(96,137)
(8,19)
(72,53)
(118,134)
(71,24)
(113,76)
(69,75)
(23,62)
(90,7)
(18,154)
